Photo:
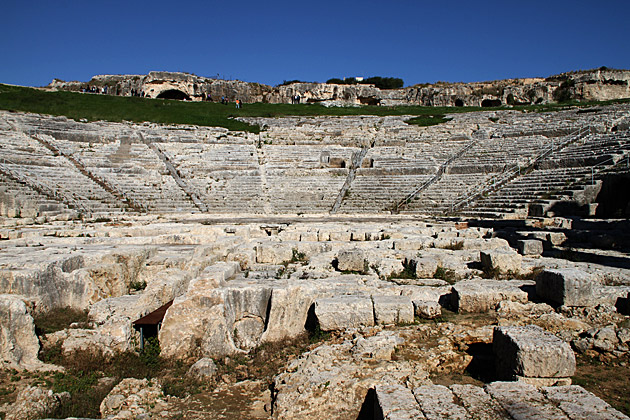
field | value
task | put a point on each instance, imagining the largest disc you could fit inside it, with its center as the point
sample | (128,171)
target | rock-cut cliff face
(590,85)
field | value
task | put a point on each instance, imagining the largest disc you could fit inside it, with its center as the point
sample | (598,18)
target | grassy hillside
(94,107)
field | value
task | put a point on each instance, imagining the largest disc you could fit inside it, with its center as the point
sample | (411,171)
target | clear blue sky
(272,41)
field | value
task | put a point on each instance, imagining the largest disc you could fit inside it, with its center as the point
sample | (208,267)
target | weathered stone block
(438,402)
(477,401)
(288,313)
(427,309)
(581,404)
(485,295)
(530,247)
(556,238)
(392,309)
(397,402)
(568,286)
(538,382)
(426,266)
(351,260)
(523,401)
(343,312)
(501,260)
(274,253)
(18,343)
(380,347)
(341,236)
(532,352)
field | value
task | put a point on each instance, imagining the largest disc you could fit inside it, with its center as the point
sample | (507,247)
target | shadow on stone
(482,365)
(530,289)
(370,410)
(312,324)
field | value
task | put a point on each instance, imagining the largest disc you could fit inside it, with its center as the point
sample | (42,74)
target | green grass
(59,319)
(117,108)
(93,107)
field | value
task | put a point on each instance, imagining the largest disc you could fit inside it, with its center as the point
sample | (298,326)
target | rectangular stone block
(392,309)
(274,253)
(351,260)
(341,312)
(341,236)
(501,260)
(427,309)
(397,402)
(310,236)
(477,401)
(580,404)
(438,402)
(530,247)
(523,401)
(477,296)
(530,351)
(412,244)
(567,286)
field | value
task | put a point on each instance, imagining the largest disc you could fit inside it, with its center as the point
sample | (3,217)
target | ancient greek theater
(353,266)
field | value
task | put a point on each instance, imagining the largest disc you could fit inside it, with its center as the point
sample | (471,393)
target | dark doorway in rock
(312,323)
(481,366)
(459,102)
(149,325)
(174,94)
(486,103)
(369,100)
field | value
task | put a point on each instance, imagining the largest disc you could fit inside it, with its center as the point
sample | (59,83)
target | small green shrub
(137,285)
(445,274)
(408,271)
(457,246)
(317,335)
(491,273)
(297,256)
(564,92)
(150,355)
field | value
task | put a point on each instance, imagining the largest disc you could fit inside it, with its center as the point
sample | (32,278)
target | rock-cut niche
(174,94)
(487,103)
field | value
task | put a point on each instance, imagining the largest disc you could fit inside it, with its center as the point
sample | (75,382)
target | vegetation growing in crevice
(445,274)
(455,246)
(136,285)
(408,271)
(564,92)
(58,319)
(298,257)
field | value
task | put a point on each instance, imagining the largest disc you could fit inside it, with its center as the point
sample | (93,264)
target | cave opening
(487,103)
(174,94)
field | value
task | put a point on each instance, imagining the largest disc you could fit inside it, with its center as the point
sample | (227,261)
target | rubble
(33,402)
(135,398)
